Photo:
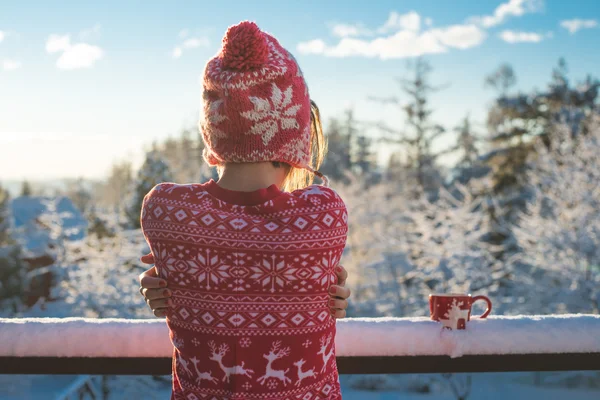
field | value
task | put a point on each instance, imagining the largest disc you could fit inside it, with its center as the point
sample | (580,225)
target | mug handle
(489,305)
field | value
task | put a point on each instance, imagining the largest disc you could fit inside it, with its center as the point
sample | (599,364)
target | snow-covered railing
(364,345)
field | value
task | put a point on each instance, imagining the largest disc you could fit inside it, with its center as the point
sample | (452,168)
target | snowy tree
(516,119)
(560,228)
(402,248)
(154,171)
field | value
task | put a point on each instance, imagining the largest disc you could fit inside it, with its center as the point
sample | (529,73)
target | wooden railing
(363,346)
(346,365)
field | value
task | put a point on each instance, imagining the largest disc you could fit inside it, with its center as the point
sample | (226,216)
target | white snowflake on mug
(271,115)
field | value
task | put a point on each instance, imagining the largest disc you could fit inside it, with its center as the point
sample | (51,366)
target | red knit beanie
(255,102)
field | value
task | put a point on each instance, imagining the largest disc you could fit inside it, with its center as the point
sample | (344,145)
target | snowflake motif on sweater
(250,274)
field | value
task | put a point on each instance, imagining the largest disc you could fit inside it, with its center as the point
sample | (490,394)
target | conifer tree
(416,140)
(154,171)
(26,189)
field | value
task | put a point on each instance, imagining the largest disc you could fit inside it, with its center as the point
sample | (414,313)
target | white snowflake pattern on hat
(271,114)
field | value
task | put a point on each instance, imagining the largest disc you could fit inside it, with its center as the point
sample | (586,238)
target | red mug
(454,310)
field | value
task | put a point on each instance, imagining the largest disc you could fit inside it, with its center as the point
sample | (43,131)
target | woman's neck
(248,177)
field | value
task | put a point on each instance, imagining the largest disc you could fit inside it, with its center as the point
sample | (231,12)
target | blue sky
(83,85)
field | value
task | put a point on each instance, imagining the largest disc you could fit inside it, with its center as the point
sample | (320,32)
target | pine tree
(363,155)
(13,279)
(26,189)
(184,156)
(117,185)
(350,132)
(466,143)
(4,216)
(338,161)
(154,171)
(418,139)
(79,194)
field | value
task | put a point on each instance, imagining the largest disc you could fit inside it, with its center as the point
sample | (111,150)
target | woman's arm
(154,290)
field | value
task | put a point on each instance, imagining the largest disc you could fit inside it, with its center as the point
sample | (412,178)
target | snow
(494,335)
(114,337)
(39,222)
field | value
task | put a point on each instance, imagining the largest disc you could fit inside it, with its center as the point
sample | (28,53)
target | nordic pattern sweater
(249,274)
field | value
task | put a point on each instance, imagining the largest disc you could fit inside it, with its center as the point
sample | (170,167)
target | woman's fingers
(342,275)
(339,304)
(149,279)
(159,303)
(336,291)
(160,312)
(339,313)
(153,294)
(147,259)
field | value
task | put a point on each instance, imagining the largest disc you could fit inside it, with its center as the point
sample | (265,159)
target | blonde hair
(299,178)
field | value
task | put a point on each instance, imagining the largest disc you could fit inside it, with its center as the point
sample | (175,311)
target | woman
(250,259)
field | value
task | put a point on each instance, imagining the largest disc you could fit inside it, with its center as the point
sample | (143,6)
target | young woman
(250,259)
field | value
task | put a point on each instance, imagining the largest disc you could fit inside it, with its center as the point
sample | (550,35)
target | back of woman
(250,259)
(250,274)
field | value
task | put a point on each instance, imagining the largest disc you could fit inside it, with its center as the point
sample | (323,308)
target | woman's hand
(154,289)
(157,295)
(338,301)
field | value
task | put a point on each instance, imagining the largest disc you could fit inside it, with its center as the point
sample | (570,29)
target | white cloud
(58,43)
(460,36)
(1,36)
(410,21)
(407,40)
(11,65)
(522,37)
(573,25)
(513,8)
(346,30)
(195,42)
(74,56)
(402,44)
(89,34)
(81,55)
(184,33)
(190,43)
(316,46)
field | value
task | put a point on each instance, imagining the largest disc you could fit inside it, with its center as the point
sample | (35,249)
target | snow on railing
(553,340)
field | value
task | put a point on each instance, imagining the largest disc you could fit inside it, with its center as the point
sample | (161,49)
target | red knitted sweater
(250,273)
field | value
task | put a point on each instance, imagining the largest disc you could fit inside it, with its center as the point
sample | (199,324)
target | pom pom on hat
(244,47)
